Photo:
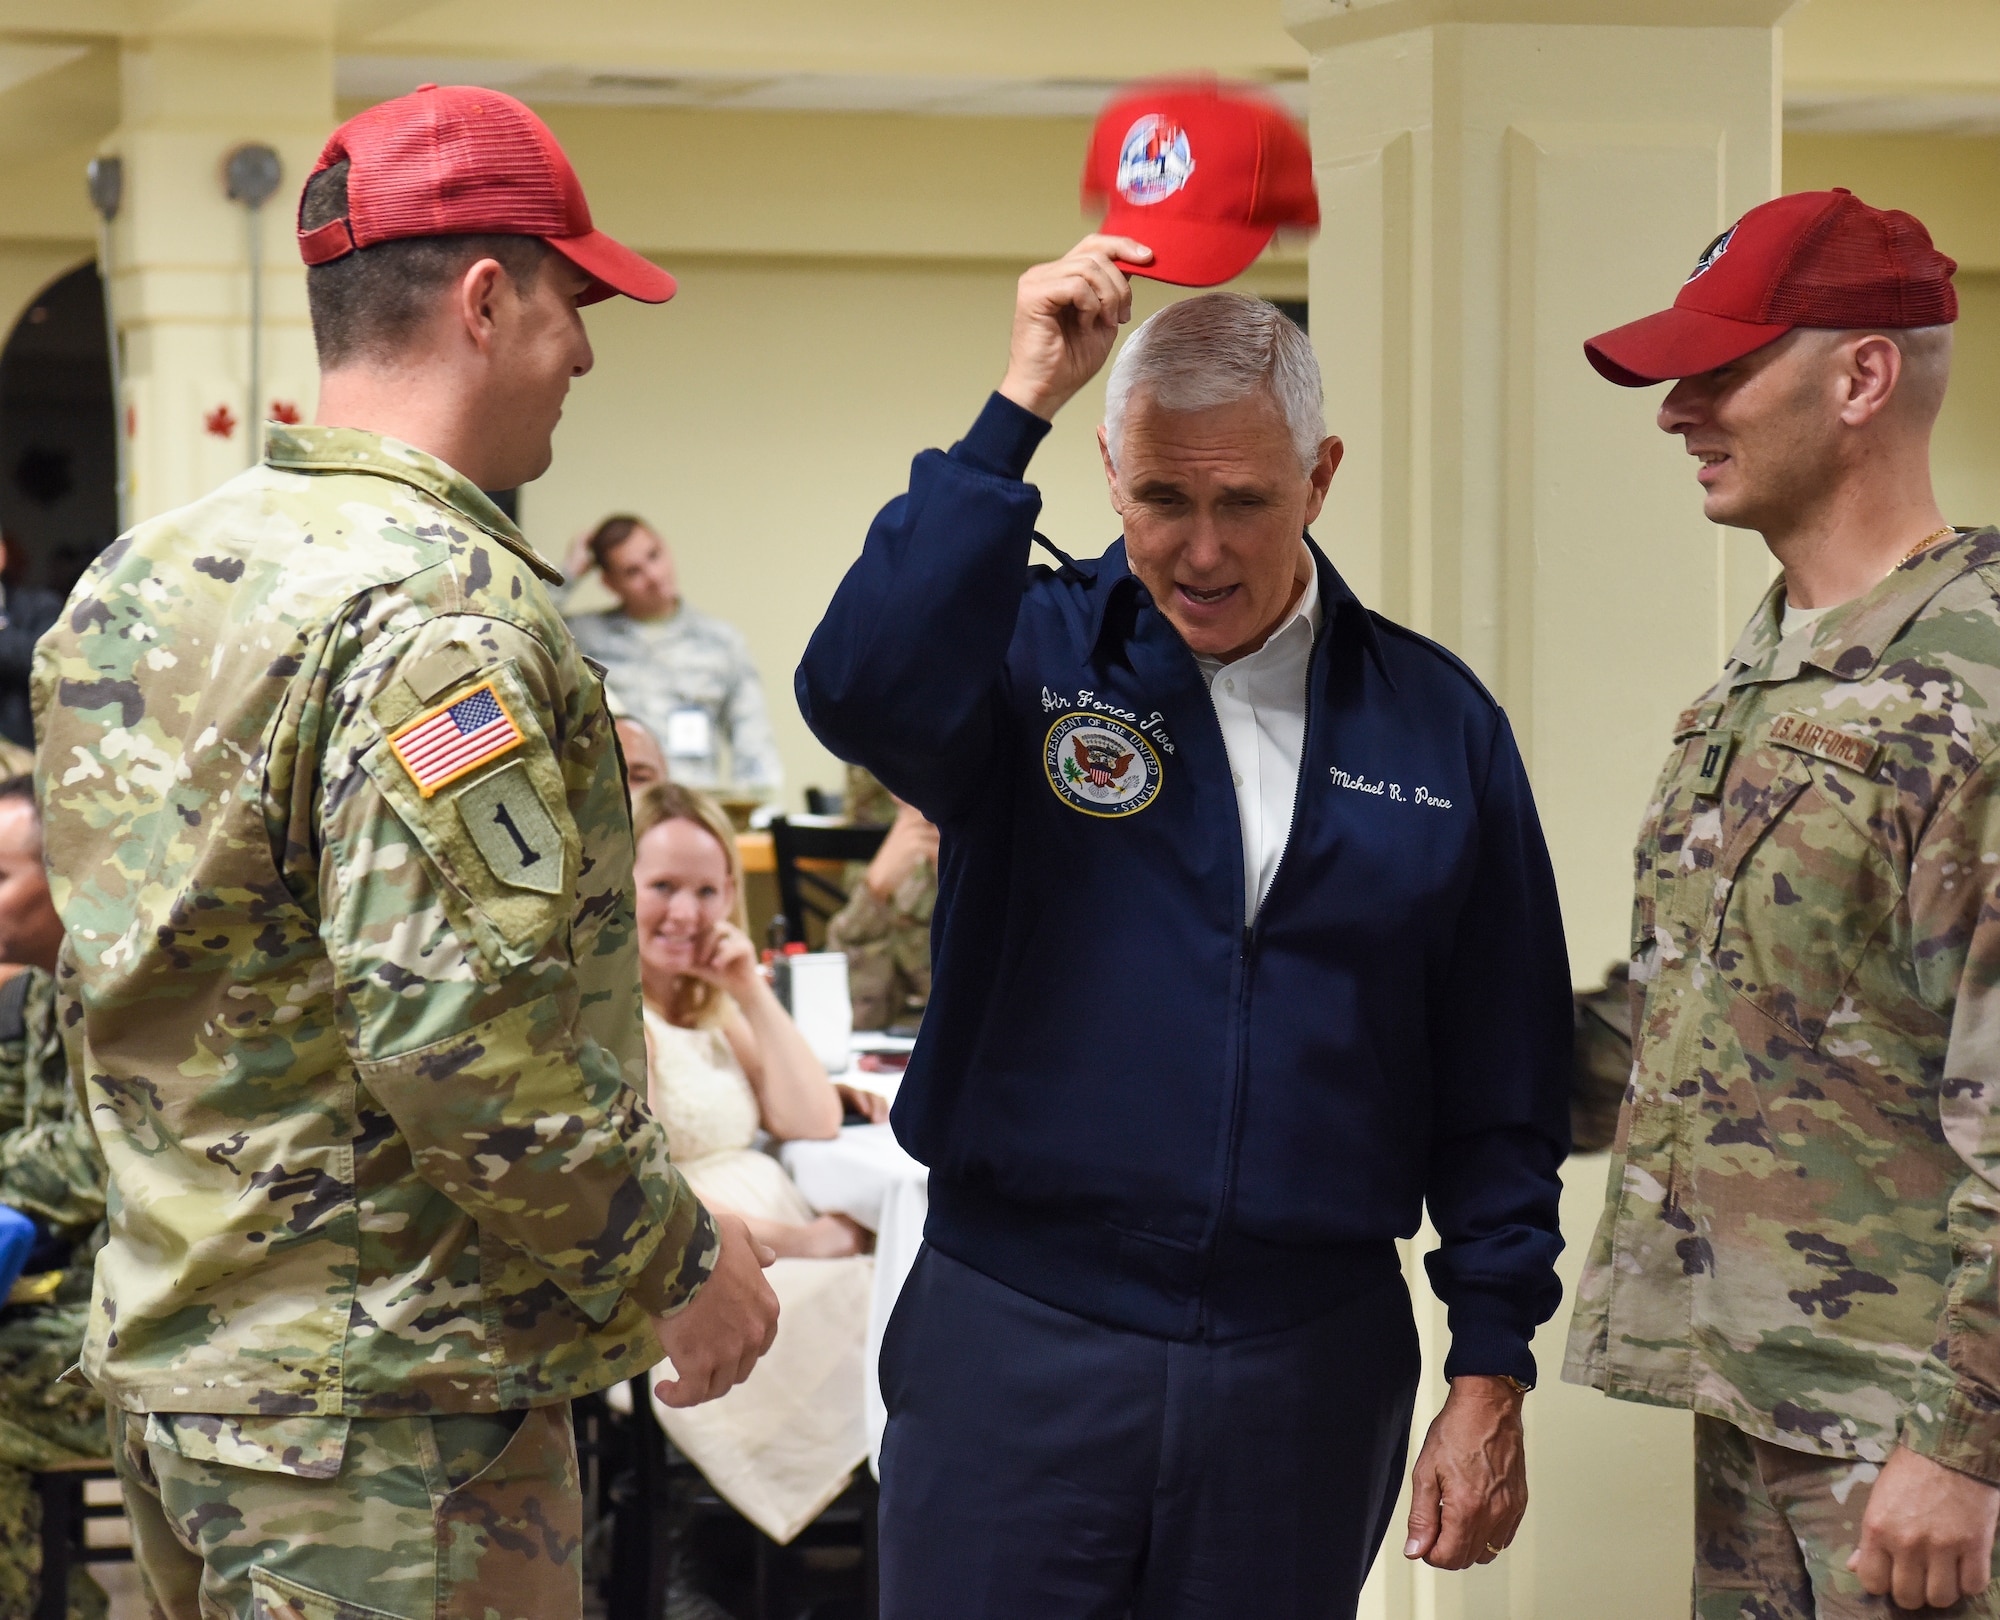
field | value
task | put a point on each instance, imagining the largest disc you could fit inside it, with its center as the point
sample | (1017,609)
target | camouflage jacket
(339,835)
(888,946)
(1802,1225)
(50,1165)
(31,1051)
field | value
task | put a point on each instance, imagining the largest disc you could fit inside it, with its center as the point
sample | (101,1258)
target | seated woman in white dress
(725,1060)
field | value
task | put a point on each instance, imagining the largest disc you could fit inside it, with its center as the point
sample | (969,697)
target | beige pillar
(181,288)
(1499,180)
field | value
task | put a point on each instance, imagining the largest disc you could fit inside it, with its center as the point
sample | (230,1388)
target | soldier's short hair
(612,533)
(368,303)
(1214,350)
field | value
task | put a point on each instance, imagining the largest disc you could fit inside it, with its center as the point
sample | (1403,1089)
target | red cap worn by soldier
(1814,258)
(459,160)
(1201,173)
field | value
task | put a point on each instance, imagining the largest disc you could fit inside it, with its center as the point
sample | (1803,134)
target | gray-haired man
(1247,951)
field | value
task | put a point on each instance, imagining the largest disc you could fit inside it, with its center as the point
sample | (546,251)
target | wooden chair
(809,854)
(66,1515)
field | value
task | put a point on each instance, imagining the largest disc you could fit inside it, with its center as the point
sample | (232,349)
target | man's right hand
(726,1327)
(1066,317)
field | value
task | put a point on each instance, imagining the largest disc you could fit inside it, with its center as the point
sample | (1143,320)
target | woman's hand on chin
(727,959)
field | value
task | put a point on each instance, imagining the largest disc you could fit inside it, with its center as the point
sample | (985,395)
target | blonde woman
(724,1060)
(725,1056)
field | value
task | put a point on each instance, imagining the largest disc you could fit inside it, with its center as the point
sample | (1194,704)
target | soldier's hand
(1066,317)
(1469,1490)
(910,839)
(726,1327)
(1926,1534)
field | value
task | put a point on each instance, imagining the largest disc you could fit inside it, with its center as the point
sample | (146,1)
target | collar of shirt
(354,450)
(1260,705)
(1291,643)
(1850,640)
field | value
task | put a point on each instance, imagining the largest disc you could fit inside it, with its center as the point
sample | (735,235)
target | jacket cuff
(677,1270)
(1489,1339)
(1958,1425)
(1003,440)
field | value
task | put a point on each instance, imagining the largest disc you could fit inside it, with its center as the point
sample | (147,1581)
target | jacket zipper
(1246,958)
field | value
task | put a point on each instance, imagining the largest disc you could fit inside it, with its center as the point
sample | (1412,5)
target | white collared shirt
(1260,701)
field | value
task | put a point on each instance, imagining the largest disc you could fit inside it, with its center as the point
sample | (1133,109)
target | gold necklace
(1926,543)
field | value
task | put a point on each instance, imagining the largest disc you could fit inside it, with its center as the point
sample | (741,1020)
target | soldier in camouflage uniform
(1799,1239)
(341,845)
(52,1173)
(885,927)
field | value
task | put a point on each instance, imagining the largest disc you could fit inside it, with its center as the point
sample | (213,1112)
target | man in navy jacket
(1247,950)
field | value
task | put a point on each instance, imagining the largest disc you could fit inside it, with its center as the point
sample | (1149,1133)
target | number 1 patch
(513,830)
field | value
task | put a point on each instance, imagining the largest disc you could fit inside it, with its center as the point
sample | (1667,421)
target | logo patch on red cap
(1710,254)
(1155,161)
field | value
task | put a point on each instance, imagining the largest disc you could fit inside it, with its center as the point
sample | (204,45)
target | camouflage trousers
(464,1517)
(1774,1528)
(43,1424)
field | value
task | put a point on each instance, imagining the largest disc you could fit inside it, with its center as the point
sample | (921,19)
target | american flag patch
(441,746)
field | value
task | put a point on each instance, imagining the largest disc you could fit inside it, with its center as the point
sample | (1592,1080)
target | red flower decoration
(283,410)
(221,421)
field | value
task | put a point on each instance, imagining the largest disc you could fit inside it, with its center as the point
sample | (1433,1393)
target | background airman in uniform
(1799,1238)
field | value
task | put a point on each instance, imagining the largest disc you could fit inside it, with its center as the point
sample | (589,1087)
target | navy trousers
(1039,1466)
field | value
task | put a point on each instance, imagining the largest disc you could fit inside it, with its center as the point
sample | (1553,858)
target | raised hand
(1066,317)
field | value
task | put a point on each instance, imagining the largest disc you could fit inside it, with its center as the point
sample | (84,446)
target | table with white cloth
(865,1175)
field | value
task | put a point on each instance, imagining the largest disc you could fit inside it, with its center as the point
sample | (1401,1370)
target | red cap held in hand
(458,160)
(1815,258)
(1201,174)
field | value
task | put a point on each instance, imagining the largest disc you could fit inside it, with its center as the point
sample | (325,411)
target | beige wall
(835,317)
(1950,183)
(764,416)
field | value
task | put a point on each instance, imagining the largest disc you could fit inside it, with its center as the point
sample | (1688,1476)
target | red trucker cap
(459,160)
(1202,173)
(1814,258)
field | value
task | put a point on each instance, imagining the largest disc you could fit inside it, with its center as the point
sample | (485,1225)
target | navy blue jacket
(1132,1106)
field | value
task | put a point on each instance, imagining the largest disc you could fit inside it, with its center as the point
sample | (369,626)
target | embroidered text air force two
(1134,1106)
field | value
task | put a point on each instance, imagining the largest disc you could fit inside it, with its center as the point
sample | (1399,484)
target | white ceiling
(1831,113)
(372,78)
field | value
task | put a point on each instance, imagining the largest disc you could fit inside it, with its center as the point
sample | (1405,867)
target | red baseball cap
(1203,174)
(459,160)
(1815,258)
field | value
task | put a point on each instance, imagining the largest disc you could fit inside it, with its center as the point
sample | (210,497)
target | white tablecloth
(864,1175)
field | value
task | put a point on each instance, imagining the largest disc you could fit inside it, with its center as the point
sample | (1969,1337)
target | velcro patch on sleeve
(513,830)
(1805,735)
(443,744)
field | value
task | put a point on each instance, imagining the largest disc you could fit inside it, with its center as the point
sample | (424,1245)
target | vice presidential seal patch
(1101,766)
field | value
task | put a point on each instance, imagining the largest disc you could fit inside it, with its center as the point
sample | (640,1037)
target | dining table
(864,1174)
